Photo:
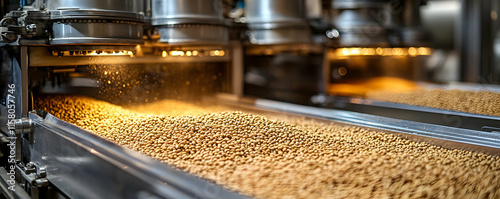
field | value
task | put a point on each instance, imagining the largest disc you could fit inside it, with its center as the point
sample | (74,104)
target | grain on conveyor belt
(176,108)
(290,158)
(478,102)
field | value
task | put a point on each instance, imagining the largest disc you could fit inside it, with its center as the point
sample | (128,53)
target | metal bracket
(34,176)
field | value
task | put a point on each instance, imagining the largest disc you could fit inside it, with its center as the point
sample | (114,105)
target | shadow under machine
(319,59)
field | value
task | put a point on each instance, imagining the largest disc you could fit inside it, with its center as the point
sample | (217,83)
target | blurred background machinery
(322,53)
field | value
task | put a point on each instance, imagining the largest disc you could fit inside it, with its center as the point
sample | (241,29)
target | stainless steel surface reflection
(133,6)
(277,22)
(69,33)
(190,22)
(274,11)
(187,11)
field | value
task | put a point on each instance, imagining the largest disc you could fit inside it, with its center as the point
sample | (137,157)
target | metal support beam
(237,68)
(476,41)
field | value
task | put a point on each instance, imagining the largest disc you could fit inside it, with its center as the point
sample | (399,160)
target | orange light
(355,51)
(424,51)
(412,51)
(397,51)
(83,53)
(342,71)
(368,51)
(176,53)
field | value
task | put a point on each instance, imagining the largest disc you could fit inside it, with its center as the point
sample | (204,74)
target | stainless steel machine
(289,55)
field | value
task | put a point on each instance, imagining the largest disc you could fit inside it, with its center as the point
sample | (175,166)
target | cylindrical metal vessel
(93,22)
(275,11)
(187,11)
(277,21)
(133,6)
(190,21)
(361,22)
(193,34)
(355,4)
(96,33)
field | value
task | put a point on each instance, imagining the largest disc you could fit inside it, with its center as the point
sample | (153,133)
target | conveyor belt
(447,136)
(414,113)
(80,163)
(84,165)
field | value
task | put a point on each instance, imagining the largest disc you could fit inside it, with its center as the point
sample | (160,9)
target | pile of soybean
(478,102)
(292,157)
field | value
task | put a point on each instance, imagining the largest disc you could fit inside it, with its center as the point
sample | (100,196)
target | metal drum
(275,11)
(84,32)
(187,11)
(132,6)
(190,21)
(277,21)
(361,22)
(110,22)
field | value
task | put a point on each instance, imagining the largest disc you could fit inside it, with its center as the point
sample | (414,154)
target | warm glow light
(354,51)
(368,51)
(424,51)
(345,51)
(398,51)
(176,53)
(387,51)
(342,71)
(79,53)
(194,53)
(412,51)
(217,53)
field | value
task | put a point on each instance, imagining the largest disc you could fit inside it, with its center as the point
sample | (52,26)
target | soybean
(277,156)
